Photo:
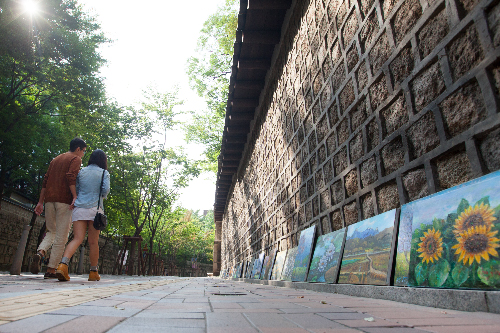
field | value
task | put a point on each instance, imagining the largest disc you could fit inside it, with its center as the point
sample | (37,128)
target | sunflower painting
(451,239)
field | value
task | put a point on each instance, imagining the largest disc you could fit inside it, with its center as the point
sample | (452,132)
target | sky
(381,221)
(152,41)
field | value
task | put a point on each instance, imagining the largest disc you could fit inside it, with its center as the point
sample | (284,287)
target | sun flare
(30,6)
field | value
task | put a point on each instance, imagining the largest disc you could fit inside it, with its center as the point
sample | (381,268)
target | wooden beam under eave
(228,171)
(261,37)
(241,116)
(254,63)
(230,163)
(269,4)
(231,157)
(249,85)
(245,103)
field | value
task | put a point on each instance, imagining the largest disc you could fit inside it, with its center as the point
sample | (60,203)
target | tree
(208,75)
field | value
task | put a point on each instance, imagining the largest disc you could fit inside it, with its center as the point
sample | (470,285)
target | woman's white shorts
(85,214)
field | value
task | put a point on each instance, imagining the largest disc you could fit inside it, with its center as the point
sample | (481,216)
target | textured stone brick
(326,94)
(333,115)
(350,213)
(368,172)
(322,128)
(388,197)
(340,161)
(494,24)
(347,96)
(310,187)
(463,109)
(337,192)
(342,13)
(372,131)
(366,5)
(465,52)
(379,53)
(422,135)
(352,58)
(433,31)
(362,76)
(415,184)
(394,116)
(387,6)
(343,131)
(368,32)
(324,200)
(338,77)
(490,150)
(317,84)
(349,29)
(427,86)
(328,171)
(356,147)
(393,156)
(321,154)
(367,206)
(315,206)
(336,219)
(402,65)
(378,93)
(325,224)
(331,143)
(358,114)
(453,169)
(351,183)
(405,18)
(465,6)
(318,179)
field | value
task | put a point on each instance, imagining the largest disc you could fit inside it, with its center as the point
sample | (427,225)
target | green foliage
(489,273)
(438,273)
(462,206)
(460,274)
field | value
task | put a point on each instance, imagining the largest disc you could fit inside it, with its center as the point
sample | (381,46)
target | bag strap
(100,189)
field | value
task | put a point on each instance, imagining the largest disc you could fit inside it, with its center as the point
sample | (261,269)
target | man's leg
(63,224)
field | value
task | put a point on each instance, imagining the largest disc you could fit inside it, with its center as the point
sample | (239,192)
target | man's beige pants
(58,223)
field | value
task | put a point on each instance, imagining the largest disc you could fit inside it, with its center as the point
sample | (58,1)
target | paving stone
(165,322)
(36,323)
(271,306)
(124,328)
(392,330)
(365,323)
(136,305)
(345,315)
(404,313)
(268,320)
(249,310)
(448,322)
(335,330)
(103,302)
(231,330)
(462,329)
(227,320)
(97,311)
(87,324)
(312,321)
(226,306)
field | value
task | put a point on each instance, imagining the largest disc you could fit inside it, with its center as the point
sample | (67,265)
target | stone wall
(369,104)
(13,218)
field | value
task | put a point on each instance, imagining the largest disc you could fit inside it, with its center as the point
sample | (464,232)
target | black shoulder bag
(100,220)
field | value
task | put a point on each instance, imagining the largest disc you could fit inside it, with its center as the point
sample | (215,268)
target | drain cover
(229,294)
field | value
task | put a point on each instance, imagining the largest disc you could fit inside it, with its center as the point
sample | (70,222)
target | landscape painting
(450,239)
(325,262)
(367,250)
(257,267)
(268,266)
(286,274)
(263,270)
(278,265)
(249,269)
(304,252)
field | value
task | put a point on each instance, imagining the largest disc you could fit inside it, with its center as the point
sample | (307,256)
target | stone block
(342,13)
(311,141)
(387,6)
(367,206)
(433,31)
(427,86)
(465,52)
(331,143)
(369,31)
(347,96)
(337,192)
(310,187)
(318,178)
(494,24)
(379,53)
(362,76)
(356,147)
(333,115)
(316,110)
(340,161)
(343,131)
(415,184)
(463,109)
(453,168)
(351,183)
(322,128)
(338,76)
(328,171)
(352,58)
(490,150)
(387,197)
(336,219)
(368,172)
(326,94)
(315,206)
(465,6)
(372,132)
(324,198)
(495,73)
(366,6)
(350,213)
(393,155)
(378,93)
(422,136)
(321,154)
(395,115)
(349,29)
(359,114)
(405,18)
(402,65)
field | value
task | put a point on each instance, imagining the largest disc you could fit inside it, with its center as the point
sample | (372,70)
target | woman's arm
(106,185)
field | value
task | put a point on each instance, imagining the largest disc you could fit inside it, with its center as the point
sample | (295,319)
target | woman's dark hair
(98,157)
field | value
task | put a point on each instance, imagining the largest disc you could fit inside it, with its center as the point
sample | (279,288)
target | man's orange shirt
(60,176)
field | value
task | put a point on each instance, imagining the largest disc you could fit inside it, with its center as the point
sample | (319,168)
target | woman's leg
(93,239)
(79,229)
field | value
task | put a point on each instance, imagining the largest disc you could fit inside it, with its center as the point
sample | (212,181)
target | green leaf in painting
(489,273)
(485,200)
(436,223)
(463,205)
(438,273)
(460,274)
(421,274)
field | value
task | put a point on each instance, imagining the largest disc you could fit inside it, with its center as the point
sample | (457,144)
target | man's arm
(74,169)
(39,206)
(72,188)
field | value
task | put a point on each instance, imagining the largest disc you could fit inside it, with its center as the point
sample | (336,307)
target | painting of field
(279,262)
(325,261)
(304,252)
(286,275)
(257,267)
(248,272)
(367,250)
(263,269)
(451,239)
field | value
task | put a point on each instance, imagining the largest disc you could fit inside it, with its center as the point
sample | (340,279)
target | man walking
(59,194)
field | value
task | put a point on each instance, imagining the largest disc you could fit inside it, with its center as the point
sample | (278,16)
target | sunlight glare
(30,6)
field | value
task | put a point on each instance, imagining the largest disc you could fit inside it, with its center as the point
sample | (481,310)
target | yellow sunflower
(431,246)
(478,215)
(476,243)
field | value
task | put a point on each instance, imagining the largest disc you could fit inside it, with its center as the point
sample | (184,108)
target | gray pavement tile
(136,305)
(334,330)
(392,330)
(283,305)
(227,320)
(169,315)
(405,314)
(196,300)
(283,330)
(97,311)
(268,320)
(103,302)
(361,323)
(231,330)
(123,328)
(36,323)
(343,315)
(461,329)
(87,324)
(311,320)
(248,310)
(165,322)
(226,305)
(328,309)
(171,300)
(448,321)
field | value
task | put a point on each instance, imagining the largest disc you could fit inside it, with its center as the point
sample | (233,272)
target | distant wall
(369,104)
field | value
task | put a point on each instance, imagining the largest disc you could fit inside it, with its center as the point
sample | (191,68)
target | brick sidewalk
(166,304)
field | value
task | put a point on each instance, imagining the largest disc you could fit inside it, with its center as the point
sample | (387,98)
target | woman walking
(88,187)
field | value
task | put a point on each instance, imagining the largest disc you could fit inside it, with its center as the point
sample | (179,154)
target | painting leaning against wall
(267,270)
(257,267)
(450,239)
(304,252)
(367,250)
(278,265)
(325,261)
(286,274)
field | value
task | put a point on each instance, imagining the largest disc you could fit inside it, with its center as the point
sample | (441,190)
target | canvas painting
(286,274)
(257,267)
(304,252)
(263,271)
(278,265)
(250,269)
(450,239)
(367,250)
(325,261)
(268,266)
